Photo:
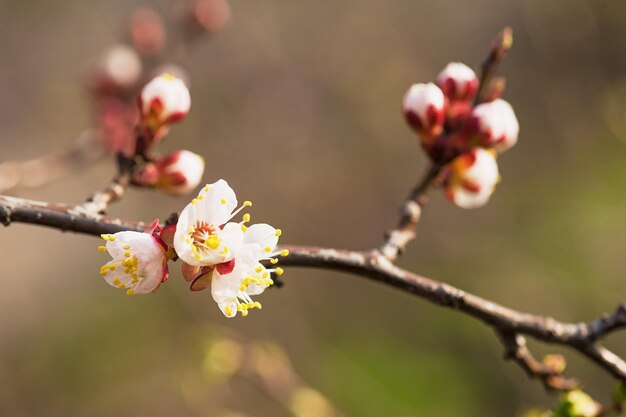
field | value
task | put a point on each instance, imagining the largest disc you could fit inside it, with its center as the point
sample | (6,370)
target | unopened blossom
(424,110)
(232,290)
(146,31)
(116,72)
(163,101)
(493,125)
(179,172)
(204,236)
(139,263)
(458,82)
(471,178)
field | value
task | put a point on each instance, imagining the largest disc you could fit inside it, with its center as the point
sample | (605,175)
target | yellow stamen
(279,271)
(247,203)
(213,241)
(284,252)
(279,232)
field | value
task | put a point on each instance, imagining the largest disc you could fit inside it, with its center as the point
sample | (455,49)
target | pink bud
(163,101)
(424,108)
(458,82)
(493,125)
(471,178)
(179,172)
(147,32)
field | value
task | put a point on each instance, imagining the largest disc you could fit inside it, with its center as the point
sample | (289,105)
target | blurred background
(297,105)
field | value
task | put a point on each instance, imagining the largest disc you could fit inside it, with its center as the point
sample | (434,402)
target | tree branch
(373,265)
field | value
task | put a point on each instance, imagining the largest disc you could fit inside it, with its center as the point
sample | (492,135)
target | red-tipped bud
(179,172)
(116,72)
(458,82)
(424,110)
(471,178)
(493,125)
(147,33)
(163,101)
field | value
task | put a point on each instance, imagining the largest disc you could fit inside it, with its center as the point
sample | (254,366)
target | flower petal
(264,235)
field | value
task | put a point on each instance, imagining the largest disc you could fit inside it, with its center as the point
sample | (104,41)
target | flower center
(204,236)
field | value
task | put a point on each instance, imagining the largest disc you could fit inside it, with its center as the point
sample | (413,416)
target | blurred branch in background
(266,367)
(87,149)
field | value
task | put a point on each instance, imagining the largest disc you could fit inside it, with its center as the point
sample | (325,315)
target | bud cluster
(461,131)
(164,101)
(116,76)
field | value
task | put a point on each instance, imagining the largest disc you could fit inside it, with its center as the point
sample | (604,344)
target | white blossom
(232,291)
(139,263)
(204,236)
(472,178)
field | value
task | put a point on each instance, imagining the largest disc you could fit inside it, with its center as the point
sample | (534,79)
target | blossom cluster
(215,251)
(462,132)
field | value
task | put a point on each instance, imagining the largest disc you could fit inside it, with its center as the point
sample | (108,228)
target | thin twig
(397,239)
(515,349)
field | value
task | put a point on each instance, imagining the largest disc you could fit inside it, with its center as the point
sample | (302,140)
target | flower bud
(147,33)
(423,107)
(116,72)
(458,82)
(471,178)
(163,101)
(179,172)
(209,15)
(493,125)
(581,404)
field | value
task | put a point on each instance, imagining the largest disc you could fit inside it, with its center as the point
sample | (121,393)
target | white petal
(229,308)
(263,235)
(182,238)
(217,204)
(468,199)
(225,287)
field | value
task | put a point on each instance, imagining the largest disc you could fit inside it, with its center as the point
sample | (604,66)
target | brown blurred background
(296,104)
